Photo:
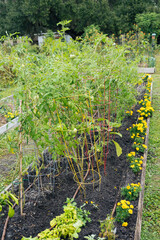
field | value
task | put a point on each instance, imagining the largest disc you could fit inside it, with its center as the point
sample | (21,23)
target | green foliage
(92,237)
(131,192)
(29,17)
(107,228)
(123,210)
(5,200)
(149,22)
(67,225)
(118,148)
(151,214)
(139,148)
(61,86)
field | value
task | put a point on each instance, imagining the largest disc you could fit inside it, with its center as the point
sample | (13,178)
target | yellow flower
(143,145)
(118,204)
(124,224)
(131,206)
(128,187)
(137,148)
(130,193)
(130,211)
(124,206)
(12,151)
(92,202)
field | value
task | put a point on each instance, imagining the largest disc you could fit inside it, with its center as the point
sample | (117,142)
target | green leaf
(113,124)
(118,148)
(119,134)
(13,198)
(10,212)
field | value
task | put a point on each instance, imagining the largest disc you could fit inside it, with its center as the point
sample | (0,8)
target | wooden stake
(20,162)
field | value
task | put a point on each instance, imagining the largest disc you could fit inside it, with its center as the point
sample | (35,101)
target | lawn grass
(151,210)
(8,91)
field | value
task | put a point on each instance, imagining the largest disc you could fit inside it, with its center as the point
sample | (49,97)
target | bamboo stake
(20,163)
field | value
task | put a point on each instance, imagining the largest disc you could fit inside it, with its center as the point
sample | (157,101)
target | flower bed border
(137,235)
(149,70)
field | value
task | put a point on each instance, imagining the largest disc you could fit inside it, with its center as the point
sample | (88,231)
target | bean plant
(74,95)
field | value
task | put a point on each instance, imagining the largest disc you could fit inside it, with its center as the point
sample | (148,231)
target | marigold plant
(136,165)
(123,210)
(139,147)
(131,192)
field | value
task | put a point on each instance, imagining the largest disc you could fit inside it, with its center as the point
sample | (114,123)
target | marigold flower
(144,146)
(130,211)
(124,224)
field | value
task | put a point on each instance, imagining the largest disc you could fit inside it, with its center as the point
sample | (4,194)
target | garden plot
(78,104)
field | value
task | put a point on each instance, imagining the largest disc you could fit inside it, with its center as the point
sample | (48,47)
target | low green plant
(108,228)
(139,140)
(138,129)
(67,225)
(10,115)
(5,200)
(123,210)
(131,156)
(139,147)
(136,165)
(145,77)
(92,237)
(146,110)
(131,192)
(129,113)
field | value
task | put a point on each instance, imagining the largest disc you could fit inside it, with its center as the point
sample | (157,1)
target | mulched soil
(41,208)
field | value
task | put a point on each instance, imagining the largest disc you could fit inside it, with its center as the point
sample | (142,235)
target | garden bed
(149,70)
(41,207)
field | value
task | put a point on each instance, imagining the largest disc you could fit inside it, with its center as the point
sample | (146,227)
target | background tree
(29,17)
(149,22)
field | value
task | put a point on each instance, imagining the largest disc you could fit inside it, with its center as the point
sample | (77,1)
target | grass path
(151,210)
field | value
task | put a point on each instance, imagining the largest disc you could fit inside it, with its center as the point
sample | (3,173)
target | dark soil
(41,207)
(2,120)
